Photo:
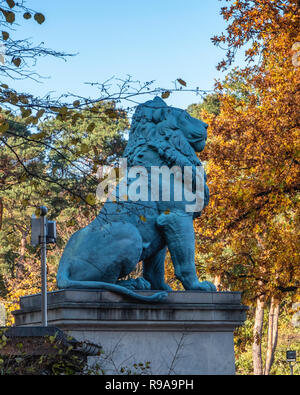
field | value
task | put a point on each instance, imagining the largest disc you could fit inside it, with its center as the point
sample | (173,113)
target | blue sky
(159,40)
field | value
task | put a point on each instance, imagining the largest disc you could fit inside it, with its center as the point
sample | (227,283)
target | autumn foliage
(249,235)
(250,231)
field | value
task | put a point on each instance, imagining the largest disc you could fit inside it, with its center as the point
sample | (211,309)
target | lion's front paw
(204,286)
(162,287)
(207,286)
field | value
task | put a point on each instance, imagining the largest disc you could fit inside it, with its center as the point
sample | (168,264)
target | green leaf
(25,202)
(63,110)
(84,148)
(38,136)
(111,113)
(90,199)
(91,127)
(4,127)
(71,222)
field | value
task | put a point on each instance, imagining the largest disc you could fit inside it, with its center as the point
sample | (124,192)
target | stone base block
(189,334)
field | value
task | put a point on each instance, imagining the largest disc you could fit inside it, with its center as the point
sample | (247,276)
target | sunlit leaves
(71,222)
(62,110)
(38,136)
(4,126)
(251,150)
(110,112)
(91,199)
(91,127)
(76,103)
(254,23)
(84,148)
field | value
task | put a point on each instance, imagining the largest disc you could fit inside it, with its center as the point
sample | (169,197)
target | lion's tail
(64,282)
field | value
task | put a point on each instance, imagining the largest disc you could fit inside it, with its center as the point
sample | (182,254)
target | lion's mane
(154,129)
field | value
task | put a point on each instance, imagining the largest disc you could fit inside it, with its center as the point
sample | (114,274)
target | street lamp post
(43,244)
(43,232)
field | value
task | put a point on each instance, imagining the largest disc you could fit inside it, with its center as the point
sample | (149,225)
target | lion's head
(172,132)
(166,136)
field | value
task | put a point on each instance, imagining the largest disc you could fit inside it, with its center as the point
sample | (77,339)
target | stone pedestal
(191,333)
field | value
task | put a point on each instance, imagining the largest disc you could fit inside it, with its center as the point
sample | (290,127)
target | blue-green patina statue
(127,231)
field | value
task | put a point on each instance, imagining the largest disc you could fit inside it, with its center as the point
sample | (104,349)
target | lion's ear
(159,101)
(158,115)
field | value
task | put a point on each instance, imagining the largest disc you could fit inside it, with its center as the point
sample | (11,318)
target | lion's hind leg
(154,270)
(104,254)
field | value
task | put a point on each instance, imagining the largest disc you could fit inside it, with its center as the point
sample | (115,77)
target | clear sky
(159,40)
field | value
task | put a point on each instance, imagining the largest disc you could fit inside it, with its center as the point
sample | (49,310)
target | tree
(19,56)
(63,164)
(250,231)
(210,103)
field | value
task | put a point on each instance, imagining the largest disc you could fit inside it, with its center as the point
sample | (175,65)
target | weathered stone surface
(192,333)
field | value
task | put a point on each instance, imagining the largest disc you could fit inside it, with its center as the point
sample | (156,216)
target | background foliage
(247,238)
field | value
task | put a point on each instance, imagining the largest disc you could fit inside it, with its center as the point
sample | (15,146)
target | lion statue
(130,230)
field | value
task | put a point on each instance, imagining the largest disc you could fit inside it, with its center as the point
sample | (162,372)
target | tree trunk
(217,282)
(20,263)
(1,213)
(257,335)
(23,245)
(272,334)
